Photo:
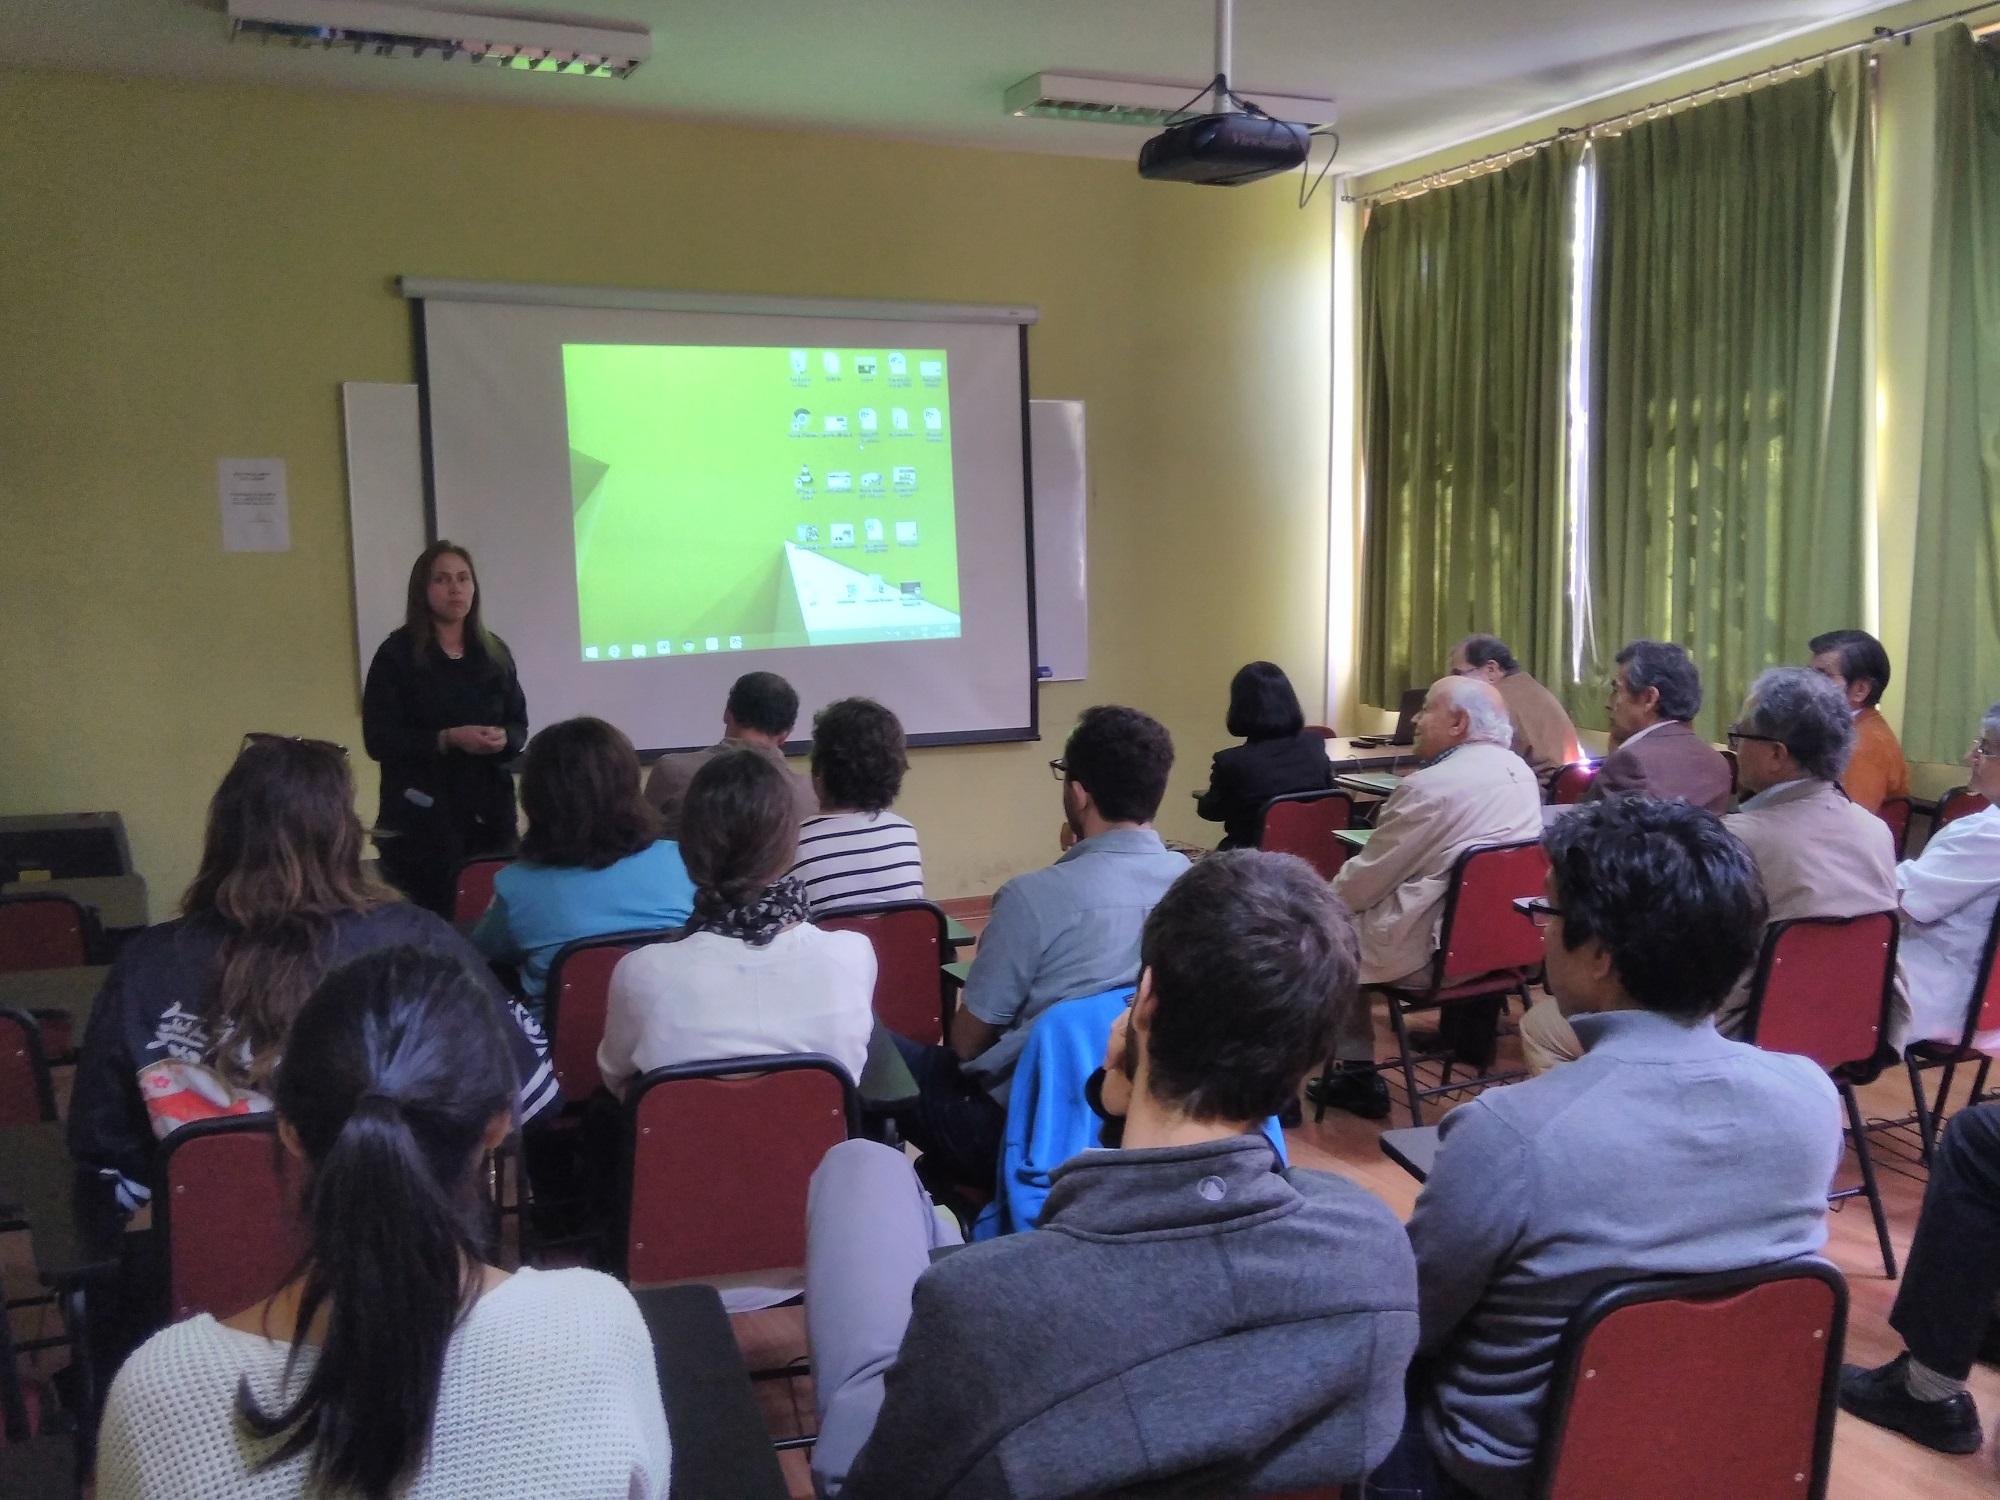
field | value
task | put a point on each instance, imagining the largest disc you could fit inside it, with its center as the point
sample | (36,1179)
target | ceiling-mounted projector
(508,39)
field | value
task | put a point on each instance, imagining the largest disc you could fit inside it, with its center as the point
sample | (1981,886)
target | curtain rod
(1411,187)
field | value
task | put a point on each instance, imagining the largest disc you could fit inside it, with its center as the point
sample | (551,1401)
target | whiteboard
(385,507)
(1062,585)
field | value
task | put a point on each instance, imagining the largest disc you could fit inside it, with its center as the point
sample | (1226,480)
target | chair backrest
(43,932)
(1481,932)
(26,1095)
(1982,1011)
(909,942)
(473,892)
(1959,802)
(1571,781)
(226,1210)
(1823,987)
(1708,1385)
(1895,811)
(1324,731)
(576,1000)
(1304,823)
(718,1158)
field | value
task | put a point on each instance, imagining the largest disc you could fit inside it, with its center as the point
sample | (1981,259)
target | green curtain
(1954,659)
(1464,333)
(1730,459)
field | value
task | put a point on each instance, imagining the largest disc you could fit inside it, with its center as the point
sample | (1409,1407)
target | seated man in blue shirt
(1664,1150)
(1056,933)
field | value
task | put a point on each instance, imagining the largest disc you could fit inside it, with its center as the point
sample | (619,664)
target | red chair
(472,893)
(26,1095)
(1305,824)
(576,1000)
(1823,988)
(910,952)
(719,1156)
(1704,1385)
(1895,811)
(1959,802)
(1570,782)
(226,1211)
(1486,949)
(1324,731)
(50,931)
(1982,1013)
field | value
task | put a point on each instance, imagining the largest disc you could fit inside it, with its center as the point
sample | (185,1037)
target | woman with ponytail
(194,1017)
(398,1362)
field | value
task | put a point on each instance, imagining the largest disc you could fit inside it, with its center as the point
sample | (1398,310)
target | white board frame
(1061,483)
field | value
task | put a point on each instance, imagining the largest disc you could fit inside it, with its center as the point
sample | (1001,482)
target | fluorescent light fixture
(532,43)
(1142,101)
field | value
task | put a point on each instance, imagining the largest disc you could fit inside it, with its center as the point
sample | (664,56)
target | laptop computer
(1406,721)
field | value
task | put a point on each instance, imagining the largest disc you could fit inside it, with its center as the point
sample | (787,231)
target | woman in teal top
(592,861)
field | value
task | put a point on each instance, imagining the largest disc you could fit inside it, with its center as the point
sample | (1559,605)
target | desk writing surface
(73,1226)
(1354,838)
(71,991)
(957,973)
(1413,1149)
(1376,783)
(1348,756)
(956,932)
(120,900)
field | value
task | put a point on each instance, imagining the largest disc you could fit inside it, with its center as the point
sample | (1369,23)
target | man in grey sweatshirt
(1189,1316)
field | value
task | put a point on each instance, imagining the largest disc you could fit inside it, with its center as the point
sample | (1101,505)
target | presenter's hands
(474,739)
(1115,1094)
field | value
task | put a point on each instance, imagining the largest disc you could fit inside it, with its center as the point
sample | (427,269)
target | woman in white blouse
(400,1363)
(752,977)
(1949,894)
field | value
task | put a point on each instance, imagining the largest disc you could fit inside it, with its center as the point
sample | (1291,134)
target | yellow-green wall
(190,271)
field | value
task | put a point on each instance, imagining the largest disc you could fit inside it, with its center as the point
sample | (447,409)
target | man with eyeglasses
(1820,855)
(1655,752)
(1544,736)
(1664,1150)
(1057,933)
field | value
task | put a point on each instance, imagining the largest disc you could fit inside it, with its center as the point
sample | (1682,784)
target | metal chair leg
(1869,1188)
(1403,1054)
(1930,1115)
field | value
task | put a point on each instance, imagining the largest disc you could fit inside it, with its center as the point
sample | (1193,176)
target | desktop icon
(839,481)
(687,648)
(736,643)
(663,648)
(904,478)
(836,426)
(867,418)
(805,479)
(808,534)
(842,533)
(933,419)
(801,419)
(906,533)
(638,648)
(871,482)
(714,643)
(931,370)
(899,419)
(798,364)
(830,363)
(899,367)
(913,590)
(617,652)
(864,366)
(871,532)
(590,653)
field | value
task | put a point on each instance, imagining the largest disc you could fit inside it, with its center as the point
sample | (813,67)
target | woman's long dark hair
(396,1067)
(480,642)
(580,790)
(281,859)
(739,830)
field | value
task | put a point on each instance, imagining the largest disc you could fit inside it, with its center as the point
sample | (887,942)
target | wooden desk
(1355,838)
(1414,1149)
(71,991)
(956,933)
(1348,756)
(119,900)
(721,1446)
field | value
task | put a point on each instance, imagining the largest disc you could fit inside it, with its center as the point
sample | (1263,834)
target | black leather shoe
(1881,1396)
(1359,1092)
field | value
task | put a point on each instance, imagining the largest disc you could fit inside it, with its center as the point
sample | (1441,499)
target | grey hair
(1807,714)
(1666,666)
(1486,720)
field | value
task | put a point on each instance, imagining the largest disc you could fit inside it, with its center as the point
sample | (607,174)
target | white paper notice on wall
(256,512)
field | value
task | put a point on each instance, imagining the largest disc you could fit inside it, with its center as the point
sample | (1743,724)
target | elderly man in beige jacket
(1471,788)
(1818,854)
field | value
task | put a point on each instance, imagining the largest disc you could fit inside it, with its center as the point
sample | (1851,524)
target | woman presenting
(443,712)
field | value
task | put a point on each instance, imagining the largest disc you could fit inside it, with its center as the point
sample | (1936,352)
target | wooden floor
(1868,1463)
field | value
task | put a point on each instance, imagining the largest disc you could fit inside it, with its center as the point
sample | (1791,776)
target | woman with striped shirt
(857,853)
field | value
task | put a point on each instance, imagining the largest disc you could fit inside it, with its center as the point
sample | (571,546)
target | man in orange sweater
(1859,667)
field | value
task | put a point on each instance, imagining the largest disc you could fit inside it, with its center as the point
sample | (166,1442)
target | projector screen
(663,495)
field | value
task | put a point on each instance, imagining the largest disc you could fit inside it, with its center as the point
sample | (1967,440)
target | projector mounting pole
(1224,18)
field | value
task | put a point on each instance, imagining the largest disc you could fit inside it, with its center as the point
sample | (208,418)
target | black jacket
(1245,777)
(151,1018)
(403,707)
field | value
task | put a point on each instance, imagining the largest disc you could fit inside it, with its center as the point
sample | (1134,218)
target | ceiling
(1409,76)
